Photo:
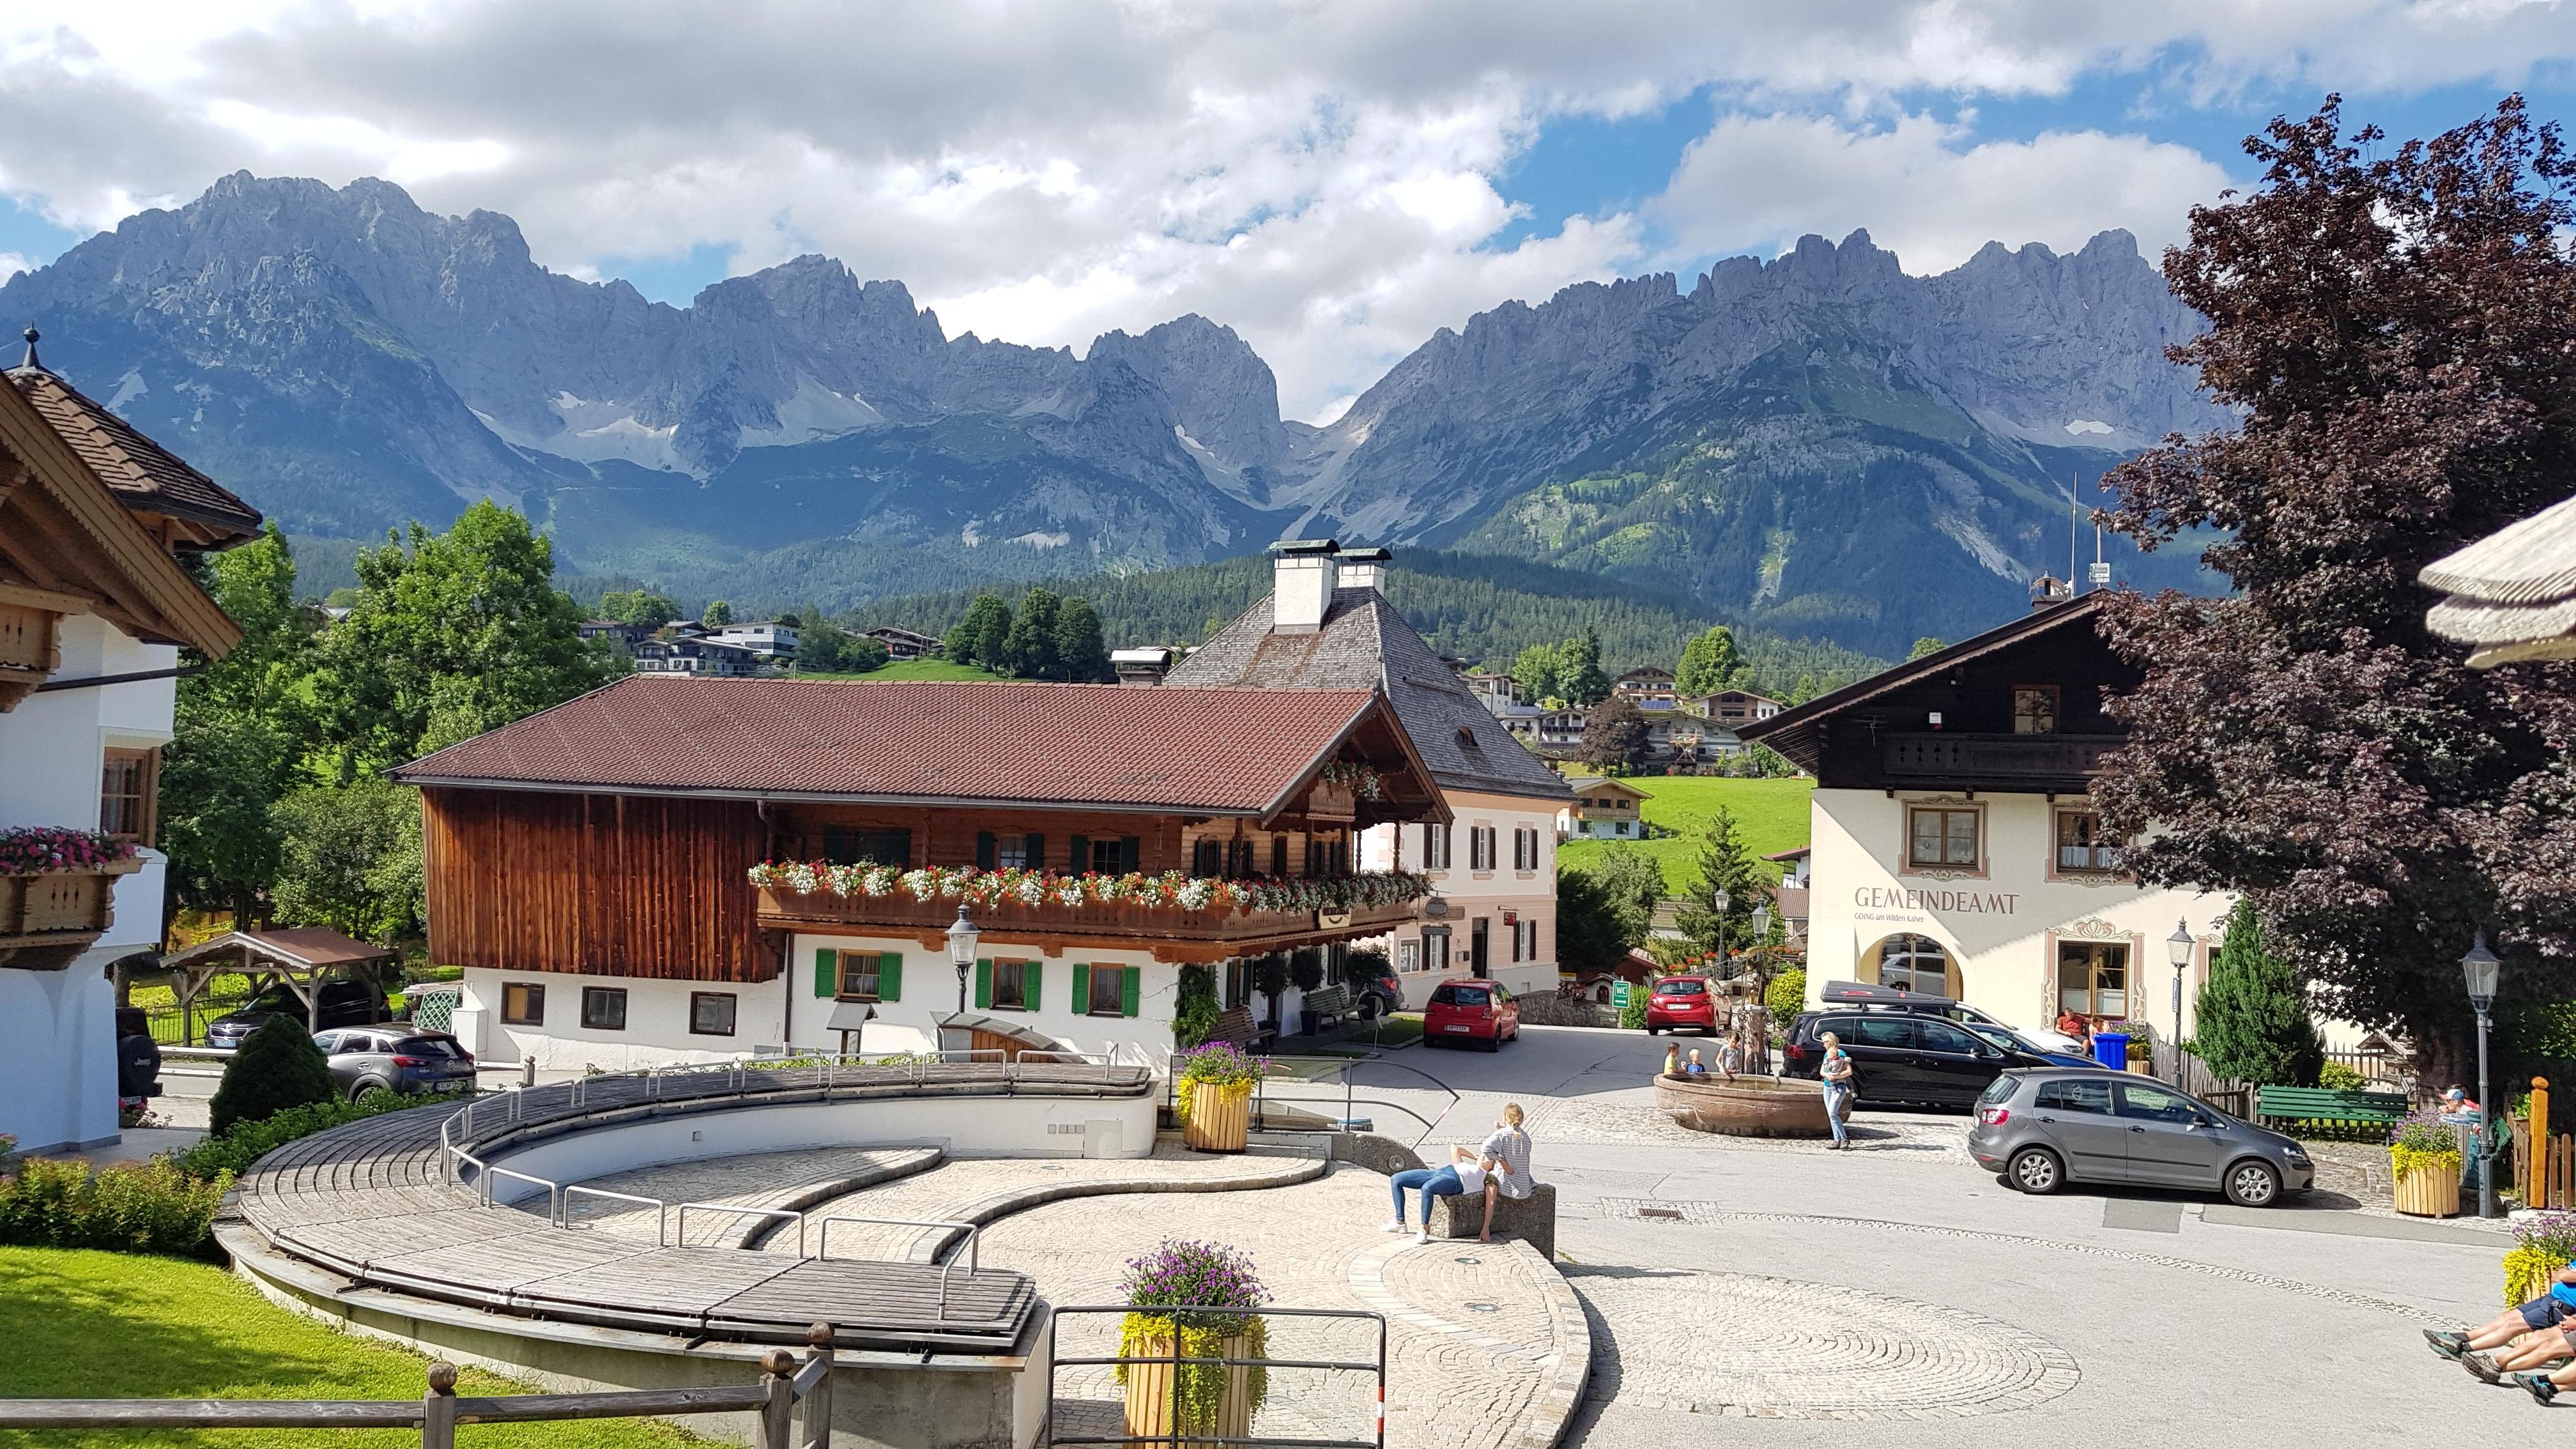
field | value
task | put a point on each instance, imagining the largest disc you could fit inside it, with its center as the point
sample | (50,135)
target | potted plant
(2424,1156)
(1212,1095)
(1191,1301)
(2543,1243)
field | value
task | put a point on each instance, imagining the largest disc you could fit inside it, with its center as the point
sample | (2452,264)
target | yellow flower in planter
(1211,1398)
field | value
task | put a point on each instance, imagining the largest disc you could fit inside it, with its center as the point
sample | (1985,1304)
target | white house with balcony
(94,608)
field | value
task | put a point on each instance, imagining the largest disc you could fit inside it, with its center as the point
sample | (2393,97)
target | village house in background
(620,636)
(600,869)
(1733,708)
(770,641)
(1647,687)
(1956,850)
(904,643)
(1327,625)
(94,606)
(1790,898)
(706,657)
(1602,809)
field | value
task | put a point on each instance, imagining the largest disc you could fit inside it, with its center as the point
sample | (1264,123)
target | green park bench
(2339,1106)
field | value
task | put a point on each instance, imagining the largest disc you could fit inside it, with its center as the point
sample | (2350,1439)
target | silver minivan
(2043,1127)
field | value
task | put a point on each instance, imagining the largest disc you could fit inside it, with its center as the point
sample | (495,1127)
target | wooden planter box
(46,920)
(1149,1398)
(2431,1190)
(1220,1116)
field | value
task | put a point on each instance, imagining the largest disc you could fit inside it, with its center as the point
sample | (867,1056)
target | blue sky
(1336,179)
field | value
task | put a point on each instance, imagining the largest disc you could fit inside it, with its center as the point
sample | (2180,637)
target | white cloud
(1924,190)
(12,263)
(1320,175)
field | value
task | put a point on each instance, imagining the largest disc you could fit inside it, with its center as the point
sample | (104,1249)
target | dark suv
(343,1003)
(1900,1057)
(398,1058)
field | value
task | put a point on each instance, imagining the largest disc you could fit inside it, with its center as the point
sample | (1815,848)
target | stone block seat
(1532,1219)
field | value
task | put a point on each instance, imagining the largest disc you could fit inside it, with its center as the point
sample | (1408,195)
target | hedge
(143,1207)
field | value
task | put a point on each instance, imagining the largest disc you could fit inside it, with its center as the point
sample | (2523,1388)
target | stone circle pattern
(1772,1348)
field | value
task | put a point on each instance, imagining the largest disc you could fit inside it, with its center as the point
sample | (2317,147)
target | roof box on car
(1856,993)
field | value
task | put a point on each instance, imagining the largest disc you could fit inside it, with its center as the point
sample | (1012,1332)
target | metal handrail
(974,1245)
(554,1190)
(1178,1434)
(748,1212)
(661,1209)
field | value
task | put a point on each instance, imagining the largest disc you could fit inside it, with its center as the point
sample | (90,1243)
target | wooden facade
(608,885)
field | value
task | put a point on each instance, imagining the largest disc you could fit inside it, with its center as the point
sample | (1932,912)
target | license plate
(1457,1028)
(447,1086)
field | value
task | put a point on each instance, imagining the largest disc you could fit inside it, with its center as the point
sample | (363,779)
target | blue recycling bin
(2111,1049)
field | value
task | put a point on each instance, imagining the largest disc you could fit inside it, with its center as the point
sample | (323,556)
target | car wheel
(364,1086)
(2036,1170)
(1494,1043)
(2253,1183)
(1653,1030)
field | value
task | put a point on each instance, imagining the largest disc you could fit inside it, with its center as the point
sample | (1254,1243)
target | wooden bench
(2330,1104)
(1235,1027)
(1326,1006)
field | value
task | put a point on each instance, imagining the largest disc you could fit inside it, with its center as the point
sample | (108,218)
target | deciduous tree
(1081,653)
(1605,906)
(983,636)
(2397,326)
(1030,647)
(1614,735)
(1709,662)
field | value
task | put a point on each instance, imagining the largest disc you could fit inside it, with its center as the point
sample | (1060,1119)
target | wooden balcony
(2043,762)
(1171,934)
(46,921)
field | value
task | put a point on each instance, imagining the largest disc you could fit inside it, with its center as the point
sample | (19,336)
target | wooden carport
(302,957)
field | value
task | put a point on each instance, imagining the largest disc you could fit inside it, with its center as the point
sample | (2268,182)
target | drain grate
(1670,1214)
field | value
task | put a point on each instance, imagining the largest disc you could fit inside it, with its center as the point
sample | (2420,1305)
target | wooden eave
(1434,804)
(63,530)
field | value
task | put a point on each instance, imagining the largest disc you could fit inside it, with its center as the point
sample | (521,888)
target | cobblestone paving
(1769,1348)
(1315,1244)
(750,1179)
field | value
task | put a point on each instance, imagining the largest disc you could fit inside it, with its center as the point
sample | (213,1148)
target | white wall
(57,1028)
(1530,894)
(930,991)
(657,1022)
(1030,1126)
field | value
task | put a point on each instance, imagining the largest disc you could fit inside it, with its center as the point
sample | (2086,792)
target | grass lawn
(916,669)
(115,1325)
(1771,815)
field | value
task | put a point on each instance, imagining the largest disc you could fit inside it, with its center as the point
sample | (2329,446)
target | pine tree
(1724,861)
(2252,1020)
(1080,651)
(1924,647)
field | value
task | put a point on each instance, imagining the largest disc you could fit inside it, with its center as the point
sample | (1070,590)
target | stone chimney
(1365,568)
(1303,574)
(1145,666)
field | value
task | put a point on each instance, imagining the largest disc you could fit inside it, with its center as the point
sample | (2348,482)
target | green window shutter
(890,976)
(983,985)
(1129,989)
(1078,859)
(1032,977)
(1128,854)
(983,850)
(1037,851)
(1081,988)
(827,972)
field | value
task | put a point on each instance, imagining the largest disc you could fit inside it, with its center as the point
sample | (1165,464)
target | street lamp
(962,940)
(2480,968)
(2178,950)
(1722,899)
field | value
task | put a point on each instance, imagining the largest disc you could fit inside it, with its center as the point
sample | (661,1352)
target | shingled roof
(1365,644)
(1205,751)
(146,477)
(2512,594)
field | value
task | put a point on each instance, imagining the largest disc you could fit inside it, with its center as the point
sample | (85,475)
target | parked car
(1856,994)
(1681,1001)
(2044,1127)
(1478,1011)
(1902,1059)
(365,1058)
(342,1003)
(138,1060)
(1376,996)
(2007,1038)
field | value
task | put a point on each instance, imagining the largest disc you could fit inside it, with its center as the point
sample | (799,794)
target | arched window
(1912,963)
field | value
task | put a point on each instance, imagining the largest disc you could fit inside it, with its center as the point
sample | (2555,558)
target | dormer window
(1467,740)
(2034,709)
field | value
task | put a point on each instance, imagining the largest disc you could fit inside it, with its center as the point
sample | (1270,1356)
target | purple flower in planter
(1184,1273)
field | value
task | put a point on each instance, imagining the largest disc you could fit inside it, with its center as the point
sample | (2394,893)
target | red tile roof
(144,475)
(1213,750)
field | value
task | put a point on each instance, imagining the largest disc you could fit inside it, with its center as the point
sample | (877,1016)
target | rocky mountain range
(1819,444)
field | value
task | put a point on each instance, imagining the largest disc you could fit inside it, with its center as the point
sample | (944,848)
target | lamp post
(962,940)
(1722,899)
(2178,950)
(2479,969)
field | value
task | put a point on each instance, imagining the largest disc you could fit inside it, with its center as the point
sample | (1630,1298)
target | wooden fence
(773,1398)
(2544,1163)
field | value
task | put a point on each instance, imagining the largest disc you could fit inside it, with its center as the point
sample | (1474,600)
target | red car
(1680,1001)
(1477,1011)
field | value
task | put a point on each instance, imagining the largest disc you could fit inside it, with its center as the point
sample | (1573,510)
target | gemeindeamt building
(1326,625)
(1956,849)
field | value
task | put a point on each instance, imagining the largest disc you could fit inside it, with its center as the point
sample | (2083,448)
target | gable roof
(143,475)
(1101,746)
(1797,733)
(2512,594)
(1365,644)
(1585,784)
